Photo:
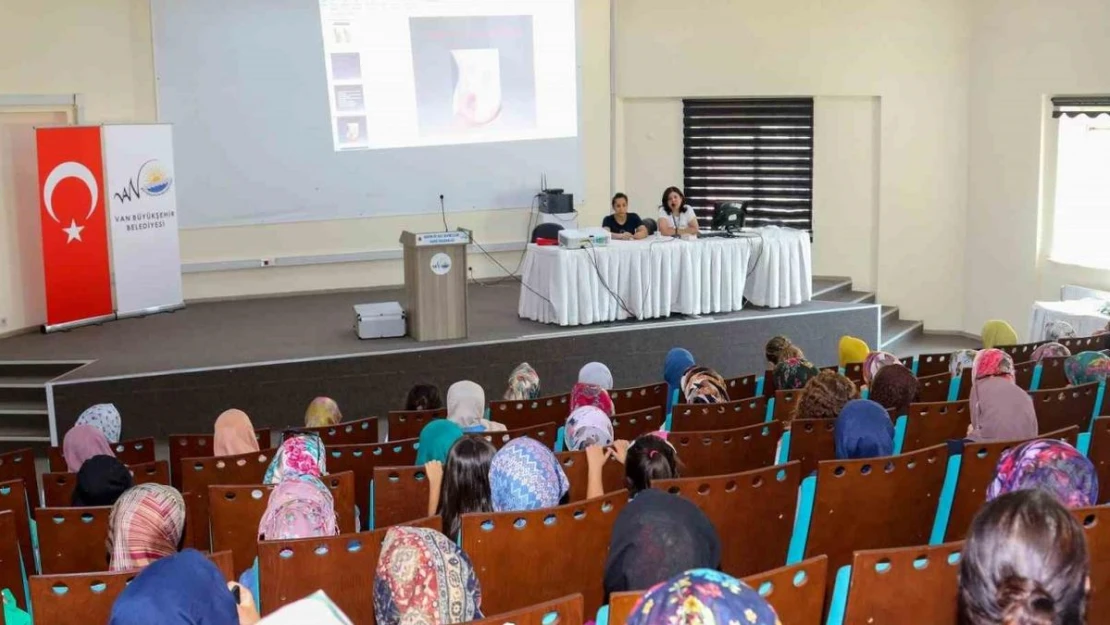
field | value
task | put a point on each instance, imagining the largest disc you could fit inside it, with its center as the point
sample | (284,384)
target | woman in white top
(675,217)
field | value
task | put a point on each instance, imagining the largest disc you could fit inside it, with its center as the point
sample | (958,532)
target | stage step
(893,329)
(24,414)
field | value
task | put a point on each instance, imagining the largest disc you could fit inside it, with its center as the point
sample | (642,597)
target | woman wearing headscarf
(1049,465)
(702,597)
(1000,409)
(100,482)
(1049,350)
(526,475)
(961,359)
(524,383)
(852,349)
(997,332)
(702,385)
(656,536)
(104,417)
(876,361)
(322,412)
(824,396)
(597,374)
(894,388)
(436,439)
(676,363)
(466,407)
(183,589)
(863,430)
(299,456)
(588,426)
(1056,330)
(82,442)
(992,363)
(592,389)
(234,434)
(1087,367)
(793,374)
(145,524)
(422,577)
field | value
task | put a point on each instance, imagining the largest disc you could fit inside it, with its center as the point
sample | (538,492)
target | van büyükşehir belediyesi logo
(153,179)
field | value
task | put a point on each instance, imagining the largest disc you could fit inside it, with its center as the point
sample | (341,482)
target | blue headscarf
(863,430)
(182,589)
(525,475)
(677,362)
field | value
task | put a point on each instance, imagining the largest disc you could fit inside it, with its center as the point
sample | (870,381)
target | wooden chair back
(720,452)
(197,474)
(1085,343)
(363,459)
(57,488)
(515,414)
(1053,374)
(400,495)
(963,389)
(629,425)
(343,566)
(621,605)
(1059,408)
(784,404)
(574,465)
(543,432)
(1023,374)
(933,388)
(20,465)
(1099,454)
(637,398)
(811,441)
(977,465)
(724,416)
(854,372)
(762,502)
(236,511)
(73,540)
(77,599)
(917,584)
(402,424)
(348,432)
(875,503)
(935,423)
(200,446)
(494,542)
(132,451)
(13,498)
(907,362)
(11,570)
(741,387)
(932,364)
(1096,524)
(1022,352)
(564,611)
(769,383)
(796,592)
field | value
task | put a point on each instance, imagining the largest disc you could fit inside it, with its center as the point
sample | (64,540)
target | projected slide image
(346,66)
(349,98)
(473,74)
(350,132)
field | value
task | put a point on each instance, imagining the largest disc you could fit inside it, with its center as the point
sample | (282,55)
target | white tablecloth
(1082,314)
(655,277)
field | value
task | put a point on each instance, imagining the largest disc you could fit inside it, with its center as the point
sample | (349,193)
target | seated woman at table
(623,224)
(675,217)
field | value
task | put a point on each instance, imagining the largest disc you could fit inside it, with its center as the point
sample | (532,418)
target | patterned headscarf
(961,359)
(322,412)
(104,417)
(597,374)
(1056,330)
(993,363)
(82,442)
(299,508)
(793,373)
(298,456)
(1049,350)
(436,439)
(234,434)
(588,426)
(424,578)
(702,385)
(524,383)
(145,524)
(525,475)
(1049,465)
(876,361)
(702,597)
(863,430)
(997,332)
(1087,367)
(317,609)
(591,395)
(852,350)
(183,589)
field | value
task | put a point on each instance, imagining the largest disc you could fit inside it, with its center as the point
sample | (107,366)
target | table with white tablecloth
(658,276)
(1085,315)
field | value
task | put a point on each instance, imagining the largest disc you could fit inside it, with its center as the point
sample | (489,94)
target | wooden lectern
(435,284)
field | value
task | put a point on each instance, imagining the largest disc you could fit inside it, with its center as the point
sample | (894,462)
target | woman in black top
(623,224)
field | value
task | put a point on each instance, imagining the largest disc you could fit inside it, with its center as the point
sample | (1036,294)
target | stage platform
(175,372)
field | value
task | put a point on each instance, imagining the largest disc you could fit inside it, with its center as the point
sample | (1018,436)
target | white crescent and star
(70,169)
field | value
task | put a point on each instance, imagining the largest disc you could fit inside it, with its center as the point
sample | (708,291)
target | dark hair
(670,190)
(649,458)
(774,348)
(423,397)
(619,196)
(465,482)
(1025,563)
(895,387)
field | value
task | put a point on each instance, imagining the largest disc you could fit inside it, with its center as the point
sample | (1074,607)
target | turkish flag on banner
(74,226)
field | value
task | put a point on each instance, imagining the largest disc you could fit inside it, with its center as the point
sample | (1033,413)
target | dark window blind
(756,151)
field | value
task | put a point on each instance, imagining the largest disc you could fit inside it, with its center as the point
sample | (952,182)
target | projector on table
(586,237)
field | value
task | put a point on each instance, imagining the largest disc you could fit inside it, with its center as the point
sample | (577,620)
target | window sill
(1078,265)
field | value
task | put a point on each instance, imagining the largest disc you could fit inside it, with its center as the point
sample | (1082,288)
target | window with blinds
(755,151)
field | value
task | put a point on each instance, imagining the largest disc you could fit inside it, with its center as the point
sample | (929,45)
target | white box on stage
(586,237)
(382,320)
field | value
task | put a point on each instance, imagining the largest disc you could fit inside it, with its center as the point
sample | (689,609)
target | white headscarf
(466,406)
(597,374)
(104,417)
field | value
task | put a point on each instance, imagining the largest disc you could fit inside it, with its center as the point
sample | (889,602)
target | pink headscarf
(299,508)
(81,443)
(234,434)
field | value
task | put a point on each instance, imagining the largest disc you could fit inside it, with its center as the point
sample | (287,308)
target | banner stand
(153,310)
(71,325)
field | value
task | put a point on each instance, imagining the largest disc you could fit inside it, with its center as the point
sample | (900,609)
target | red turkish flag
(74,224)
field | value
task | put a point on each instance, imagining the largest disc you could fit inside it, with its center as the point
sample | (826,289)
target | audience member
(322,412)
(702,597)
(82,442)
(1087,367)
(1049,350)
(1049,465)
(961,359)
(676,363)
(894,388)
(461,485)
(649,458)
(146,524)
(183,589)
(1000,410)
(1025,562)
(824,396)
(702,385)
(852,350)
(299,455)
(104,417)
(655,537)
(436,439)
(992,363)
(874,362)
(422,577)
(592,389)
(526,475)
(773,350)
(524,383)
(997,332)
(1059,329)
(423,397)
(863,430)
(587,426)
(234,434)
(597,374)
(466,405)
(793,374)
(100,482)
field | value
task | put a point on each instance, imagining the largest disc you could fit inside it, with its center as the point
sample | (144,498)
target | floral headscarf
(322,412)
(146,524)
(961,359)
(1049,350)
(1087,367)
(1049,465)
(591,395)
(588,426)
(299,508)
(525,475)
(793,373)
(702,597)
(993,363)
(524,383)
(302,455)
(702,385)
(104,417)
(876,361)
(423,578)
(1056,330)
